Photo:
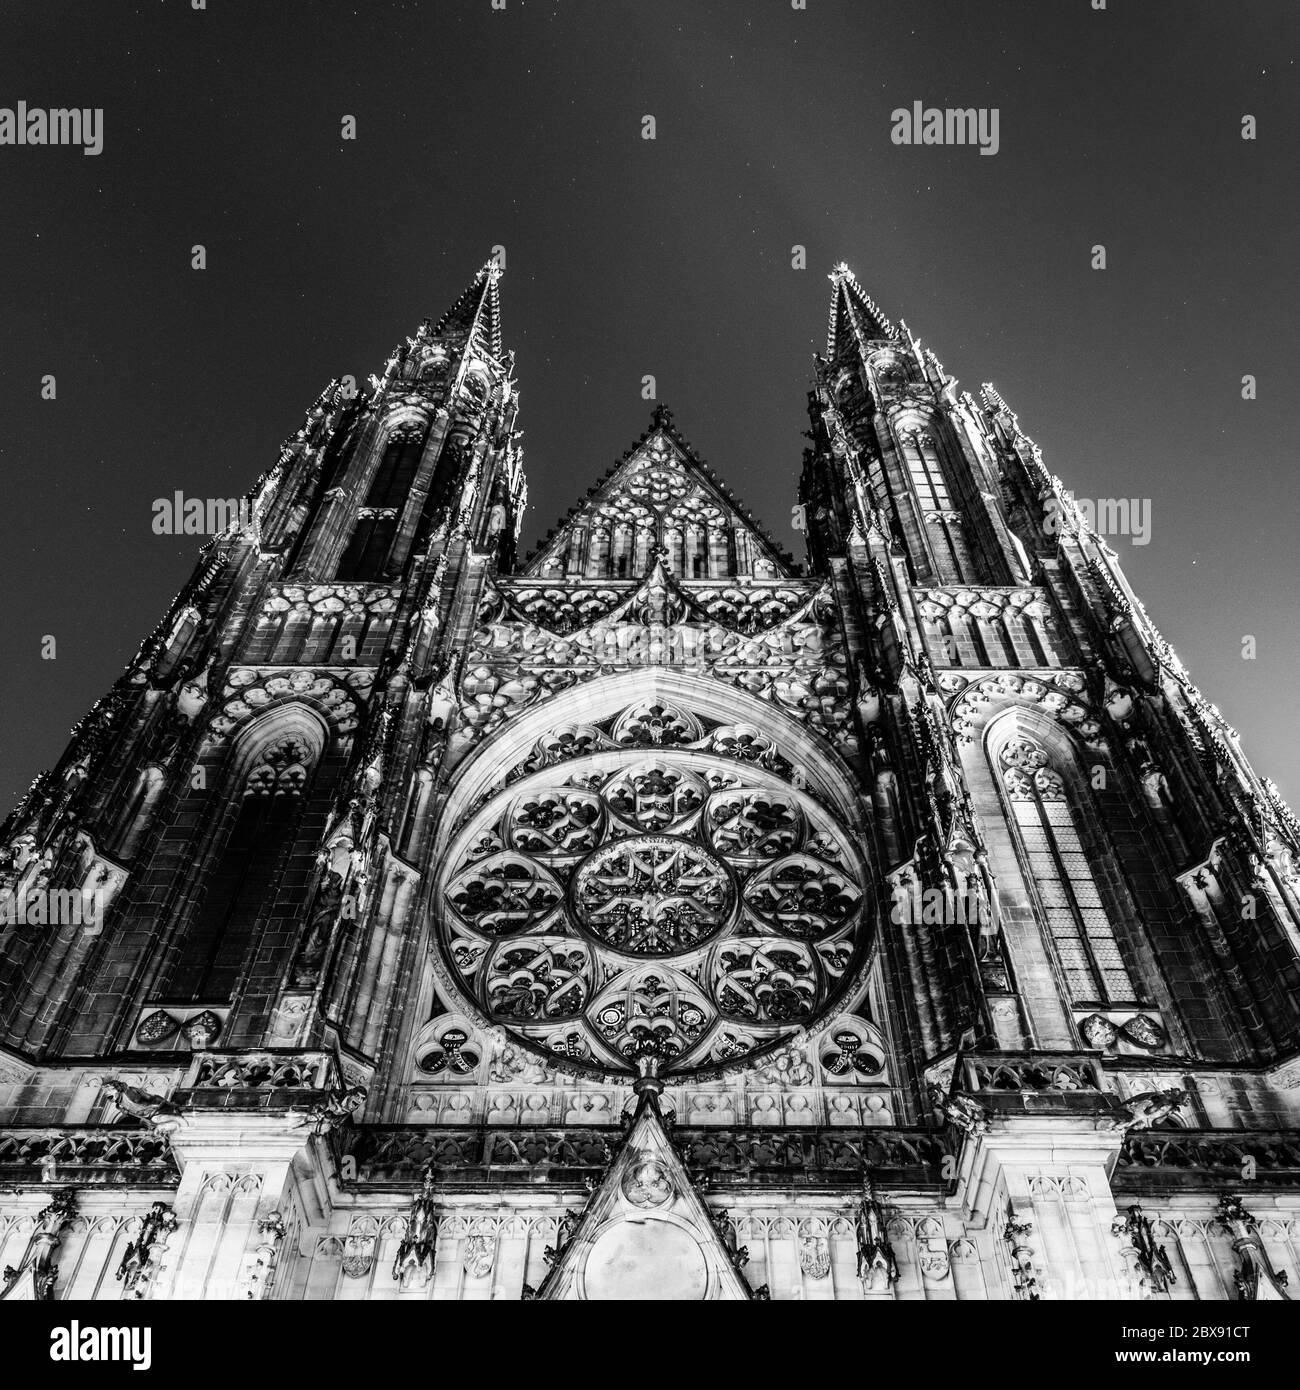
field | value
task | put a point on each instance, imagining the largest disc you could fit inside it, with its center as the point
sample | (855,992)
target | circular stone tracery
(672,897)
(652,895)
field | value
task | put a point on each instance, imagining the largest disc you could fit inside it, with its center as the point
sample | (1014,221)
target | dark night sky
(626,257)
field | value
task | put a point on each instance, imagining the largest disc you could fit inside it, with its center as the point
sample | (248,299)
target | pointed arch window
(1064,875)
(942,521)
(368,549)
(367,552)
(396,471)
(245,875)
(928,482)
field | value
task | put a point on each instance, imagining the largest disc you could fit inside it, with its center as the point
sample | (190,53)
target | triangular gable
(660,481)
(645,1233)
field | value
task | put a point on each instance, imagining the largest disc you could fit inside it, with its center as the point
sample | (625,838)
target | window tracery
(243,874)
(701,904)
(642,728)
(281,770)
(1064,875)
(851,1052)
(450,1056)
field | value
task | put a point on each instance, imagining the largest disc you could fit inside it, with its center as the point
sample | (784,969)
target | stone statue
(48,1232)
(1255,1277)
(720,1218)
(141,1254)
(568,1224)
(324,913)
(413,1265)
(1152,1258)
(876,1262)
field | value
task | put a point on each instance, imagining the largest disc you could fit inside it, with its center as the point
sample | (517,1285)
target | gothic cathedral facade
(652,916)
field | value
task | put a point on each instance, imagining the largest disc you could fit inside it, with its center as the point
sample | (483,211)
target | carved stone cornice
(110,1155)
(490,1156)
(1208,1159)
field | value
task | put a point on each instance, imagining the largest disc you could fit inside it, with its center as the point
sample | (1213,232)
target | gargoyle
(1148,1109)
(327,1115)
(157,1112)
(962,1111)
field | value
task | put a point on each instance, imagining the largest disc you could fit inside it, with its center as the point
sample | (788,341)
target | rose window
(652,895)
(697,904)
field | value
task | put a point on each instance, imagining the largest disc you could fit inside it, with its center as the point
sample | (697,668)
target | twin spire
(476,313)
(473,322)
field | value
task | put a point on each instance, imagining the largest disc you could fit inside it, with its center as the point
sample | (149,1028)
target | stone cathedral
(652,916)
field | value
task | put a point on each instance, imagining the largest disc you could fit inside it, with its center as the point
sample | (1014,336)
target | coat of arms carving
(815,1256)
(480,1255)
(932,1257)
(358,1256)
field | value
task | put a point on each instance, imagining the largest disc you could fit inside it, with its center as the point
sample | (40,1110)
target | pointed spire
(477,312)
(854,315)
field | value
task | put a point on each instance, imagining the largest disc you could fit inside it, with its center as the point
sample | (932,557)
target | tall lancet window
(942,521)
(1064,877)
(244,877)
(928,482)
(371,542)
(396,471)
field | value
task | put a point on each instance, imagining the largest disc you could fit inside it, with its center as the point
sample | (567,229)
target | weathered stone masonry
(653,915)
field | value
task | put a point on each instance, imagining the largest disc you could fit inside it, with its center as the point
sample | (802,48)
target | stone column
(1039,1184)
(243,1176)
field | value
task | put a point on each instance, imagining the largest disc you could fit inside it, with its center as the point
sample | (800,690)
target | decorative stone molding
(304,1084)
(1033,1073)
(322,600)
(463,1157)
(1056,693)
(81,1155)
(1207,1159)
(799,661)
(988,603)
(260,1070)
(14,1070)
(338,693)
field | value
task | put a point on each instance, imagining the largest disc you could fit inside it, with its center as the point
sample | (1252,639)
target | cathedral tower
(652,915)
